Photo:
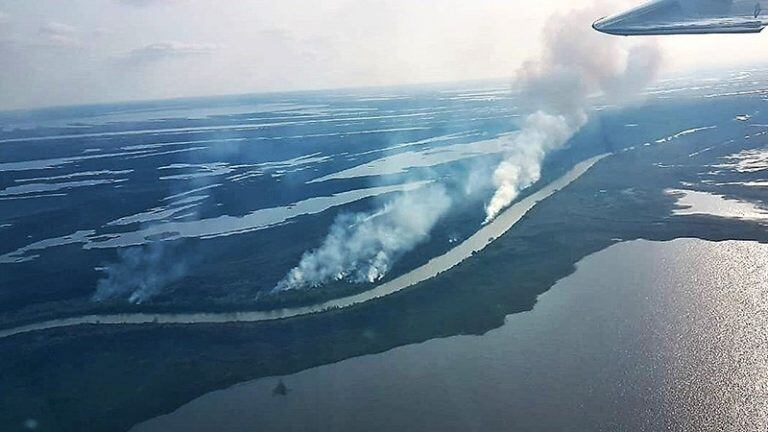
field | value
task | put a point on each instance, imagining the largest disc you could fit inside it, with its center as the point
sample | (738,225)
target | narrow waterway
(482,238)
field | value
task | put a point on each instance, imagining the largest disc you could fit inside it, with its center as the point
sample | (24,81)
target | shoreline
(475,243)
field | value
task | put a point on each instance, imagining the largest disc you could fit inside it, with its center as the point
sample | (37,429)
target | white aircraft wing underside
(660,17)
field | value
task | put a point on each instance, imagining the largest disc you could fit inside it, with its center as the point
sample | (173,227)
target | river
(482,238)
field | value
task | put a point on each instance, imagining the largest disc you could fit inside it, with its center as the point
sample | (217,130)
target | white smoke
(576,64)
(362,247)
(140,273)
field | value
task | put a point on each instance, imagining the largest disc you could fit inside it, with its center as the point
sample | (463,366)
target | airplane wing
(662,17)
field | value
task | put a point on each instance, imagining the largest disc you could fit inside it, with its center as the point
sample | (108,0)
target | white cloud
(59,34)
(267,45)
(143,3)
(169,49)
(57,29)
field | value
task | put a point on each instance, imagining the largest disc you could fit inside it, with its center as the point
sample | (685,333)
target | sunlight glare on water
(645,336)
(718,371)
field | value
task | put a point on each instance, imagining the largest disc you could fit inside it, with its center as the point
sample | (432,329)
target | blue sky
(54,52)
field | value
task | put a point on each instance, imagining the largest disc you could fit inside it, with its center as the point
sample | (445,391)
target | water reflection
(644,336)
(692,202)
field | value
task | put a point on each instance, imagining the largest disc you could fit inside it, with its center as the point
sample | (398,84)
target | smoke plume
(557,88)
(362,247)
(140,273)
(576,64)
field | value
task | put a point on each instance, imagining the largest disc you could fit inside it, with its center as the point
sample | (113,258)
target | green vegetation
(108,378)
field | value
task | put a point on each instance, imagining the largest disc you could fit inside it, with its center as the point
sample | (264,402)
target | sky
(84,51)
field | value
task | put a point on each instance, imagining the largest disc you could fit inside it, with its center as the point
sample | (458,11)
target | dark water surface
(644,336)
